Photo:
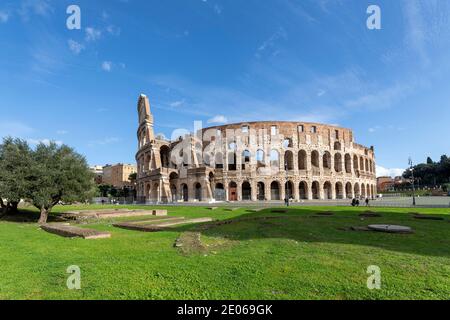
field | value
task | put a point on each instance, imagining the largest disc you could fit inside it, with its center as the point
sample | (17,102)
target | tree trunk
(44,216)
(12,207)
(2,206)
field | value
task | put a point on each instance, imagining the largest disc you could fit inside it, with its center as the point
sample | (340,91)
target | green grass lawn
(295,257)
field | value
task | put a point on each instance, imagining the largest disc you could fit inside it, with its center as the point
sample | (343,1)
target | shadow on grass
(431,238)
(29,216)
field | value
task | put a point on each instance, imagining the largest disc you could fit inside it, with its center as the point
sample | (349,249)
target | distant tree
(105,190)
(132,178)
(59,175)
(431,173)
(15,160)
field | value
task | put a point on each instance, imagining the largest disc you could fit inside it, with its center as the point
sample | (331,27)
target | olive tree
(15,172)
(59,175)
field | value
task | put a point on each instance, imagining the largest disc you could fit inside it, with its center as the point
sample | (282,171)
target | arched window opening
(289,190)
(348,190)
(275,191)
(327,190)
(219,160)
(338,162)
(185,194)
(355,164)
(287,143)
(173,191)
(339,191)
(315,159)
(232,192)
(260,161)
(302,160)
(327,160)
(337,146)
(315,190)
(232,166)
(261,192)
(198,192)
(219,192)
(246,191)
(303,188)
(289,160)
(274,159)
(246,157)
(348,163)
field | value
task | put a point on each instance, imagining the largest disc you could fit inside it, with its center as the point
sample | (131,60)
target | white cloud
(92,34)
(103,142)
(382,98)
(43,141)
(318,117)
(218,119)
(270,43)
(217,9)
(107,66)
(105,15)
(176,104)
(14,129)
(38,7)
(161,136)
(75,47)
(113,30)
(4,16)
(391,172)
(375,128)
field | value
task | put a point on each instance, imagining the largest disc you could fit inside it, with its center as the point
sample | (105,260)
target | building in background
(386,184)
(118,175)
(98,172)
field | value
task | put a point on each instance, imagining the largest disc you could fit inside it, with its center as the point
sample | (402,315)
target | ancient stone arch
(275,191)
(242,161)
(339,188)
(302,160)
(327,160)
(246,191)
(328,190)
(338,162)
(303,190)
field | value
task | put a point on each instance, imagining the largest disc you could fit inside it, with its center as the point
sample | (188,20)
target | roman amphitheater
(252,161)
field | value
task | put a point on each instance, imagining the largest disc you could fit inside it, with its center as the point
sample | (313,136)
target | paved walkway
(400,202)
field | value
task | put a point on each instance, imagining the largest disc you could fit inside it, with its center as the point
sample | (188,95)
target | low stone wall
(74,232)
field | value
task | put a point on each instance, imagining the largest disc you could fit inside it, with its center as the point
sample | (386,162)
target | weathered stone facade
(254,161)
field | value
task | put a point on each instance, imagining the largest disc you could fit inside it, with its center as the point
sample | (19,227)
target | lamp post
(287,182)
(413,183)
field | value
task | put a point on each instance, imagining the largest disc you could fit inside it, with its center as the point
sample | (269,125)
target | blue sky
(226,61)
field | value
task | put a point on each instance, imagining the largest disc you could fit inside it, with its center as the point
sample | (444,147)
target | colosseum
(252,161)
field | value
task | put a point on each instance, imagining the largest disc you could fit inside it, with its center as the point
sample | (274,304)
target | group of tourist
(356,203)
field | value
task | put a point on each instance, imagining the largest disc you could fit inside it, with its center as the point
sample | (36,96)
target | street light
(413,184)
(287,181)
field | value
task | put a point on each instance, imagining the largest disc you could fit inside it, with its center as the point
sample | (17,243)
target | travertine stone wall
(255,161)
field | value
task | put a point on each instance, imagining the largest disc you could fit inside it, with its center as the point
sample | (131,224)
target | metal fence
(393,202)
